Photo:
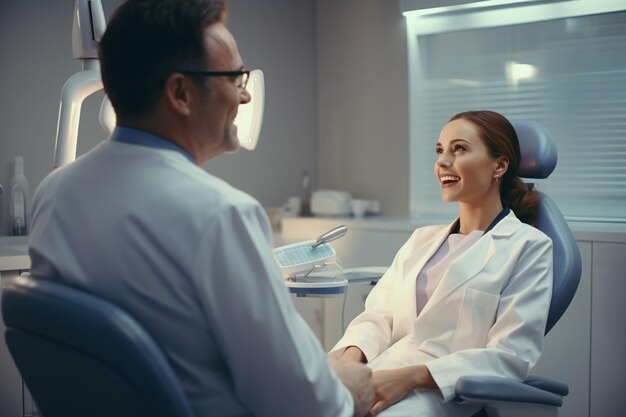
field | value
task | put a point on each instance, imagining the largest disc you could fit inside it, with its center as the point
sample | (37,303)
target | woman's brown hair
(500,138)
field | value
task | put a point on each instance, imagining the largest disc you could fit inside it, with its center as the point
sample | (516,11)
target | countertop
(14,249)
(583,231)
(14,253)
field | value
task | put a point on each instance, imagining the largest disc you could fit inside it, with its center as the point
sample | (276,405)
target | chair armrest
(547,384)
(485,389)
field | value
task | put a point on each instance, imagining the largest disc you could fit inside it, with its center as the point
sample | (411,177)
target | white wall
(362,100)
(36,59)
(277,36)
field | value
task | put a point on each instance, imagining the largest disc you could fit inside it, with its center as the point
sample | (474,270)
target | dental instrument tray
(302,257)
(298,262)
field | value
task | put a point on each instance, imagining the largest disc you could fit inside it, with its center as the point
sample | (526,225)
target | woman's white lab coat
(486,317)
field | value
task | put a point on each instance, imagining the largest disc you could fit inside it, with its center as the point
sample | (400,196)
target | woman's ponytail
(522,198)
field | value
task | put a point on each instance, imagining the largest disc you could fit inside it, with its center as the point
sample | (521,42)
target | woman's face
(465,169)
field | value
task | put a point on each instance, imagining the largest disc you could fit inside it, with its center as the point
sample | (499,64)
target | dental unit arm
(88,27)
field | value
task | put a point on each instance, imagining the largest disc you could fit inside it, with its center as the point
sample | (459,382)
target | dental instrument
(304,264)
(331,235)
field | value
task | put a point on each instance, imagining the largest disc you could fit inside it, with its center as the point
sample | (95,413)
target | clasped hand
(389,386)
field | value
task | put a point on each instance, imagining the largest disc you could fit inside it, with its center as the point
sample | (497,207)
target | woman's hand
(349,354)
(393,385)
(390,386)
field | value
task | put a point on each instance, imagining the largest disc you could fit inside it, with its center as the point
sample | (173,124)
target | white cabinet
(15,399)
(311,310)
(328,317)
(10,379)
(338,313)
(608,330)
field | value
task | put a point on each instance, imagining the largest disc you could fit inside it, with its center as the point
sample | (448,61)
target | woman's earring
(497,177)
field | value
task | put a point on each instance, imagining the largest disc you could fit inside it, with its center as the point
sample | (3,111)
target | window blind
(568,74)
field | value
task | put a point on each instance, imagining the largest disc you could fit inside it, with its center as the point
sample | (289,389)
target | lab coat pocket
(476,316)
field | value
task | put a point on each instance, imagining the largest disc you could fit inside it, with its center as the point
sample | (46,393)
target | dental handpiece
(331,235)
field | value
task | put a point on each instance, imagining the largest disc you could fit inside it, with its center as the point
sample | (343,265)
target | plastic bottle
(19,199)
(305,208)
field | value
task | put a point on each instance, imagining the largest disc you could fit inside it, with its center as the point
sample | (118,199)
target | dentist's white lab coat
(191,258)
(486,317)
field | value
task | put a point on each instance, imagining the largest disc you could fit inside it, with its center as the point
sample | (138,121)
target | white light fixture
(426,17)
(456,6)
(516,72)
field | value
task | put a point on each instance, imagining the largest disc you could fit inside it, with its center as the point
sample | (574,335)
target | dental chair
(536,396)
(80,355)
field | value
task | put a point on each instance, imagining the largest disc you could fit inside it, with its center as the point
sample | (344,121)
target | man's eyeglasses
(242,75)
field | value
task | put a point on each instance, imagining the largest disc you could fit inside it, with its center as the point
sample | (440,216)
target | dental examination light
(250,116)
(88,27)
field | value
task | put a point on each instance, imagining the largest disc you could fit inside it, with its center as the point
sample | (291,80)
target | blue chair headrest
(537,149)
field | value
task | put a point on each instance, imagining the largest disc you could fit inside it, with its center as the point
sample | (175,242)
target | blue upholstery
(82,356)
(538,151)
(567,263)
(539,158)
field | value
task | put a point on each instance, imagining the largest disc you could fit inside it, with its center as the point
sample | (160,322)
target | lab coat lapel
(473,261)
(425,249)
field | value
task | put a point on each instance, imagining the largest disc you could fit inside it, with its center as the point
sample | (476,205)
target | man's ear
(177,94)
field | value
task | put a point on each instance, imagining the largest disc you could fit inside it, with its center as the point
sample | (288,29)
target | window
(568,73)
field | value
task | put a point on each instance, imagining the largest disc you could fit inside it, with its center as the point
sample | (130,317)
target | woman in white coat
(470,298)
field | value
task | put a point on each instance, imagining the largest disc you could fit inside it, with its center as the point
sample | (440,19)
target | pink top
(429,277)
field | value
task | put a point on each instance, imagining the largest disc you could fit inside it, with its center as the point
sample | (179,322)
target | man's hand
(391,386)
(358,378)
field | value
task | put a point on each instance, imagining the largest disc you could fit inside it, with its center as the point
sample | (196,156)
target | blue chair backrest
(83,356)
(538,160)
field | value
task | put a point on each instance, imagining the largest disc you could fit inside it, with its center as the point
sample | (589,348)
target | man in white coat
(139,223)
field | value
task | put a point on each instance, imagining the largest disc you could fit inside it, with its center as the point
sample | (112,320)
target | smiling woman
(468,298)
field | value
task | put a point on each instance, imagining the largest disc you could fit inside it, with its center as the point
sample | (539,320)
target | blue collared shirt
(142,138)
